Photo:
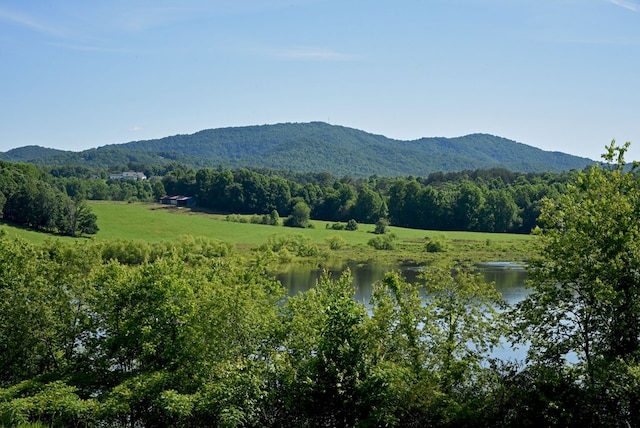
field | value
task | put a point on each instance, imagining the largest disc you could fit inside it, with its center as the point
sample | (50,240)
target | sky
(561,75)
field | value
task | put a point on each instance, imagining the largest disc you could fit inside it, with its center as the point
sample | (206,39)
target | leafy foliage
(586,289)
(336,242)
(436,245)
(299,216)
(496,201)
(94,336)
(383,242)
(30,198)
(381,226)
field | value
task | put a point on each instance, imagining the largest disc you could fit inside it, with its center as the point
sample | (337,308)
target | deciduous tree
(585,283)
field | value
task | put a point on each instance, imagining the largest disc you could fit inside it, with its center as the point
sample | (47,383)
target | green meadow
(155,223)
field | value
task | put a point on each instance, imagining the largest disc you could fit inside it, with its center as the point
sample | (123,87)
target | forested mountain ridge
(30,153)
(315,147)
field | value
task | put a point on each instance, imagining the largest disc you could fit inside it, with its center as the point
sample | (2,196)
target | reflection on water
(509,278)
(297,278)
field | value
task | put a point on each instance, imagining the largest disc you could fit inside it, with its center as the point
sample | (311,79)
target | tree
(468,206)
(404,204)
(220,194)
(501,212)
(401,387)
(338,202)
(434,209)
(381,226)
(325,362)
(43,317)
(274,218)
(278,194)
(431,355)
(464,323)
(204,183)
(368,206)
(299,216)
(75,218)
(158,190)
(585,299)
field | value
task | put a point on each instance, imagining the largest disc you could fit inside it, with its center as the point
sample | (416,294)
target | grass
(154,223)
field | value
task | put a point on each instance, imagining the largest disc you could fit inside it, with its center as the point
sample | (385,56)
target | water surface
(508,277)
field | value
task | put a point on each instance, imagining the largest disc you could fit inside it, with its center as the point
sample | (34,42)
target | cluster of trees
(112,334)
(29,197)
(112,190)
(585,299)
(492,201)
(185,335)
(94,184)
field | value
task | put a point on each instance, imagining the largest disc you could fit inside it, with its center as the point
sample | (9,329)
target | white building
(129,175)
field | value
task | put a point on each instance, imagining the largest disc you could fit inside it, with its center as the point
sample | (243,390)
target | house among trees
(128,175)
(178,200)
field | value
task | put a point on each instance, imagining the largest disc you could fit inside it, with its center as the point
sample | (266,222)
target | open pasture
(154,223)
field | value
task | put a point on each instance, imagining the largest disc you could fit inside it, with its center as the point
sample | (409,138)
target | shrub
(274,218)
(383,242)
(308,250)
(337,226)
(299,216)
(336,242)
(437,245)
(292,244)
(352,225)
(259,219)
(52,404)
(237,218)
(381,226)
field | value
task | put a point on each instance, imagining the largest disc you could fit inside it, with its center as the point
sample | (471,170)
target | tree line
(497,200)
(490,201)
(30,197)
(186,334)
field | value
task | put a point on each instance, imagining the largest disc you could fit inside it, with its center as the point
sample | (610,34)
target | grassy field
(154,223)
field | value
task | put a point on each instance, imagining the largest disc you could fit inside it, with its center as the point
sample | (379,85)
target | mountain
(30,154)
(315,147)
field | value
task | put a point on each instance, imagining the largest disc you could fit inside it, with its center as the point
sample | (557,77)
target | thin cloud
(145,18)
(29,22)
(142,19)
(88,48)
(311,54)
(630,5)
(595,41)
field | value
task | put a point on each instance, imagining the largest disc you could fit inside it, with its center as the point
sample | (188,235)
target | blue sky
(556,74)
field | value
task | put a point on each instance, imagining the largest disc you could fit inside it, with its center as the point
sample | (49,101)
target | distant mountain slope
(30,154)
(318,147)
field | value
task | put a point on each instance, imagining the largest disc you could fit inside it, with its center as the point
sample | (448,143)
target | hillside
(30,154)
(314,147)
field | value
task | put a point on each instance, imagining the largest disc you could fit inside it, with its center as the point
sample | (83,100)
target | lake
(509,277)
